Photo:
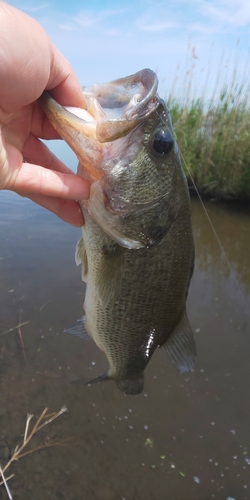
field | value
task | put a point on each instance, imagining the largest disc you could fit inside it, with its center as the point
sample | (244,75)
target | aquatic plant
(213,134)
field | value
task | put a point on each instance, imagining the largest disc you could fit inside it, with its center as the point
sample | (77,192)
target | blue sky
(107,39)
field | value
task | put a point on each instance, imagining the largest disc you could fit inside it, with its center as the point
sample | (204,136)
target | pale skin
(29,64)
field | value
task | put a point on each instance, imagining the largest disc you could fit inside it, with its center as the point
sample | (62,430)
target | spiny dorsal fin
(180,346)
(81,258)
(108,282)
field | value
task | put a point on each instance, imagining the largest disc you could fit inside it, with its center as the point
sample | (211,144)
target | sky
(107,39)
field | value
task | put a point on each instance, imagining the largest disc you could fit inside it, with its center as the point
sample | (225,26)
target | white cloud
(105,44)
(34,8)
(156,19)
(112,32)
(235,12)
(204,29)
(68,27)
(86,19)
(155,26)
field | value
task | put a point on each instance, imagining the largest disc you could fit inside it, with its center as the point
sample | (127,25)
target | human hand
(29,64)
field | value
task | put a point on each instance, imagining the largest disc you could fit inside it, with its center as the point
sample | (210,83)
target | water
(184,437)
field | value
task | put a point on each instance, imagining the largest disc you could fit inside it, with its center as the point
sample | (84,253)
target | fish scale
(136,250)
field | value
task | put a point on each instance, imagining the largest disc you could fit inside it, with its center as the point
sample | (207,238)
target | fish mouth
(112,110)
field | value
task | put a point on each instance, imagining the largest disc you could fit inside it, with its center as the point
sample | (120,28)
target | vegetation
(214,136)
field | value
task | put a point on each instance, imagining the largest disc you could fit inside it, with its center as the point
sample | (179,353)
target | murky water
(185,437)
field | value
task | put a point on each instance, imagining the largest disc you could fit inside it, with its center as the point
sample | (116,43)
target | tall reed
(213,132)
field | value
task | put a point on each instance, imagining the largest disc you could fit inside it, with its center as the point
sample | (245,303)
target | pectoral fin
(108,283)
(79,329)
(180,346)
(81,258)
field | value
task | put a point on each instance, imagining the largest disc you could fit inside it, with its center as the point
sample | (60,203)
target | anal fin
(180,346)
(100,378)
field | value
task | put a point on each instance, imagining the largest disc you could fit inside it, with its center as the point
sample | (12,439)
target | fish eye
(162,141)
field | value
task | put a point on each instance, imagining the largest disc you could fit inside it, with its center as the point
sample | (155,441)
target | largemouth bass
(137,249)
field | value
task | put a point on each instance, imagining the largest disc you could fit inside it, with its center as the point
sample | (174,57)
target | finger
(63,82)
(67,210)
(67,92)
(35,151)
(34,179)
(40,125)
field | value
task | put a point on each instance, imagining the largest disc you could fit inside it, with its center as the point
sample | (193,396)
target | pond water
(184,437)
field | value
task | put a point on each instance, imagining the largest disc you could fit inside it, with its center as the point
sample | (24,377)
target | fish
(137,248)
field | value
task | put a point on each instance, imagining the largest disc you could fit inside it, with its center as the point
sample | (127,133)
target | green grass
(214,137)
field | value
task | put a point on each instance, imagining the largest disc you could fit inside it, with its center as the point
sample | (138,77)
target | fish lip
(86,138)
(149,80)
(79,134)
(109,129)
(136,112)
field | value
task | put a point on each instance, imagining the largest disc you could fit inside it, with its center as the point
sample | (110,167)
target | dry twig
(14,328)
(21,339)
(40,423)
(5,483)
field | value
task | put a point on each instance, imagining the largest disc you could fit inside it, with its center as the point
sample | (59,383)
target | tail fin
(132,387)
